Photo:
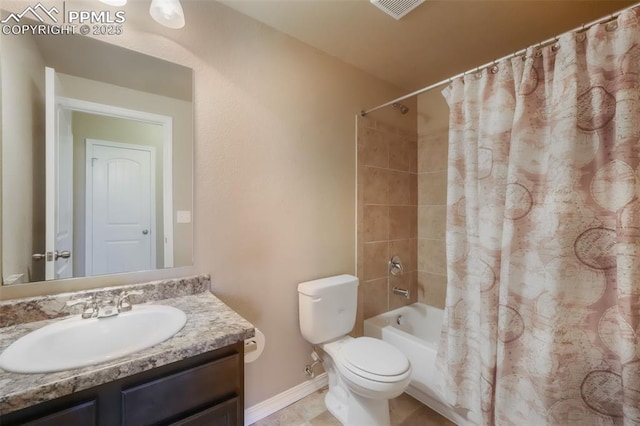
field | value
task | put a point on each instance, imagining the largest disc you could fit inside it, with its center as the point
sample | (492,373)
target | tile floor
(310,411)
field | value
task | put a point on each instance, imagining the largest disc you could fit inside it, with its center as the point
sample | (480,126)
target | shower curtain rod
(494,62)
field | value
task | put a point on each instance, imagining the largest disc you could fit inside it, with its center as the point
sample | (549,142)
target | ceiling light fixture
(167,12)
(114,2)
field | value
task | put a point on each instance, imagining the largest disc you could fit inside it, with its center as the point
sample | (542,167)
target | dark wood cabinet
(80,414)
(225,414)
(207,389)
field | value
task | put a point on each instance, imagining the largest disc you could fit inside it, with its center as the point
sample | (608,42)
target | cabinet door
(169,397)
(78,415)
(225,414)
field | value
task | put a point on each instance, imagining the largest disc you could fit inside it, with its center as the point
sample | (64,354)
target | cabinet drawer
(225,414)
(173,395)
(78,415)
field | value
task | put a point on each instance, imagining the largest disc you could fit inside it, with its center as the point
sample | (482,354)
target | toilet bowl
(370,367)
(364,373)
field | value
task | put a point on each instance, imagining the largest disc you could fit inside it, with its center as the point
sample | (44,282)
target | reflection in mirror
(96,159)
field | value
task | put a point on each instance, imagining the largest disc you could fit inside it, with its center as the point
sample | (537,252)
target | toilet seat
(363,354)
(374,359)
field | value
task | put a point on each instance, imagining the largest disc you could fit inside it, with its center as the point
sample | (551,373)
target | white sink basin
(77,342)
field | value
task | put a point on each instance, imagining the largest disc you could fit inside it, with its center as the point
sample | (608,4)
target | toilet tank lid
(316,287)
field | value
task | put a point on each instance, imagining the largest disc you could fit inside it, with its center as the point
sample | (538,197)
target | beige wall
(112,129)
(274,170)
(387,214)
(433,124)
(23,218)
(275,179)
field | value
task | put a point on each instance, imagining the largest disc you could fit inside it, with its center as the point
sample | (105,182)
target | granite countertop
(210,325)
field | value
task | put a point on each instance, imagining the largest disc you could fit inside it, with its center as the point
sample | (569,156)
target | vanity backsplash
(20,311)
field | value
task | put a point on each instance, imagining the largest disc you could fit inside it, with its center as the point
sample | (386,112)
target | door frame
(88,249)
(167,146)
(57,118)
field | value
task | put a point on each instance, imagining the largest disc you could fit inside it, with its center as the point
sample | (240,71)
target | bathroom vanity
(195,377)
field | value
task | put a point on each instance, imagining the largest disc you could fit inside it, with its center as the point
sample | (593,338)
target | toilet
(364,373)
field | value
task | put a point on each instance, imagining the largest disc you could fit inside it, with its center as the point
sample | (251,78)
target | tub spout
(402,292)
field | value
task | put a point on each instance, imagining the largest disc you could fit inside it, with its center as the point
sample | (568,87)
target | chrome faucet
(105,309)
(395,266)
(108,309)
(123,304)
(119,304)
(401,291)
(90,308)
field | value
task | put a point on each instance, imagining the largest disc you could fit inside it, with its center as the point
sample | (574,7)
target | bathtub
(415,330)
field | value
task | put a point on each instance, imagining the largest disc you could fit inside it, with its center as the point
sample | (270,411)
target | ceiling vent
(397,8)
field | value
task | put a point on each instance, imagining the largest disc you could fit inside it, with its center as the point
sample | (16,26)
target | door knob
(65,254)
(145,231)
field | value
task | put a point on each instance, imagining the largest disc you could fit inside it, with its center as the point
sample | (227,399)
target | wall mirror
(97,154)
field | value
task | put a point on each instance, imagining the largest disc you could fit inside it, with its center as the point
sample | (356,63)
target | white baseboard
(284,399)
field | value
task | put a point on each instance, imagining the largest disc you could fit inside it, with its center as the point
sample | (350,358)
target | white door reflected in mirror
(120,208)
(119,191)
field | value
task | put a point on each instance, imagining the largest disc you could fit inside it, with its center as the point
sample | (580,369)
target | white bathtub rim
(437,406)
(384,320)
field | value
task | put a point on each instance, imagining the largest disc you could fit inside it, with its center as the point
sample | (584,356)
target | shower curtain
(542,319)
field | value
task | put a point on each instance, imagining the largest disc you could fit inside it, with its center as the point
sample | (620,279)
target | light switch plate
(183,216)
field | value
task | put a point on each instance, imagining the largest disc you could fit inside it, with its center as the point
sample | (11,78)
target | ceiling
(433,42)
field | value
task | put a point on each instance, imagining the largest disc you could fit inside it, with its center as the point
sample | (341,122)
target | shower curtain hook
(581,34)
(522,54)
(538,51)
(612,24)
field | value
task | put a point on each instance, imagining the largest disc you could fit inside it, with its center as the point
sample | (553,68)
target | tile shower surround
(387,216)
(432,213)
(402,191)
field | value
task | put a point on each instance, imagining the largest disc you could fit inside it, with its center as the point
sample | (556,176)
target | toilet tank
(327,307)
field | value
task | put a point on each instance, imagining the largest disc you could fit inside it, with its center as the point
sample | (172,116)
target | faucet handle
(123,300)
(395,266)
(90,308)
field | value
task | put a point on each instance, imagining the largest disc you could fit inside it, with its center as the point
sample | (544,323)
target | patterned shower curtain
(542,319)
